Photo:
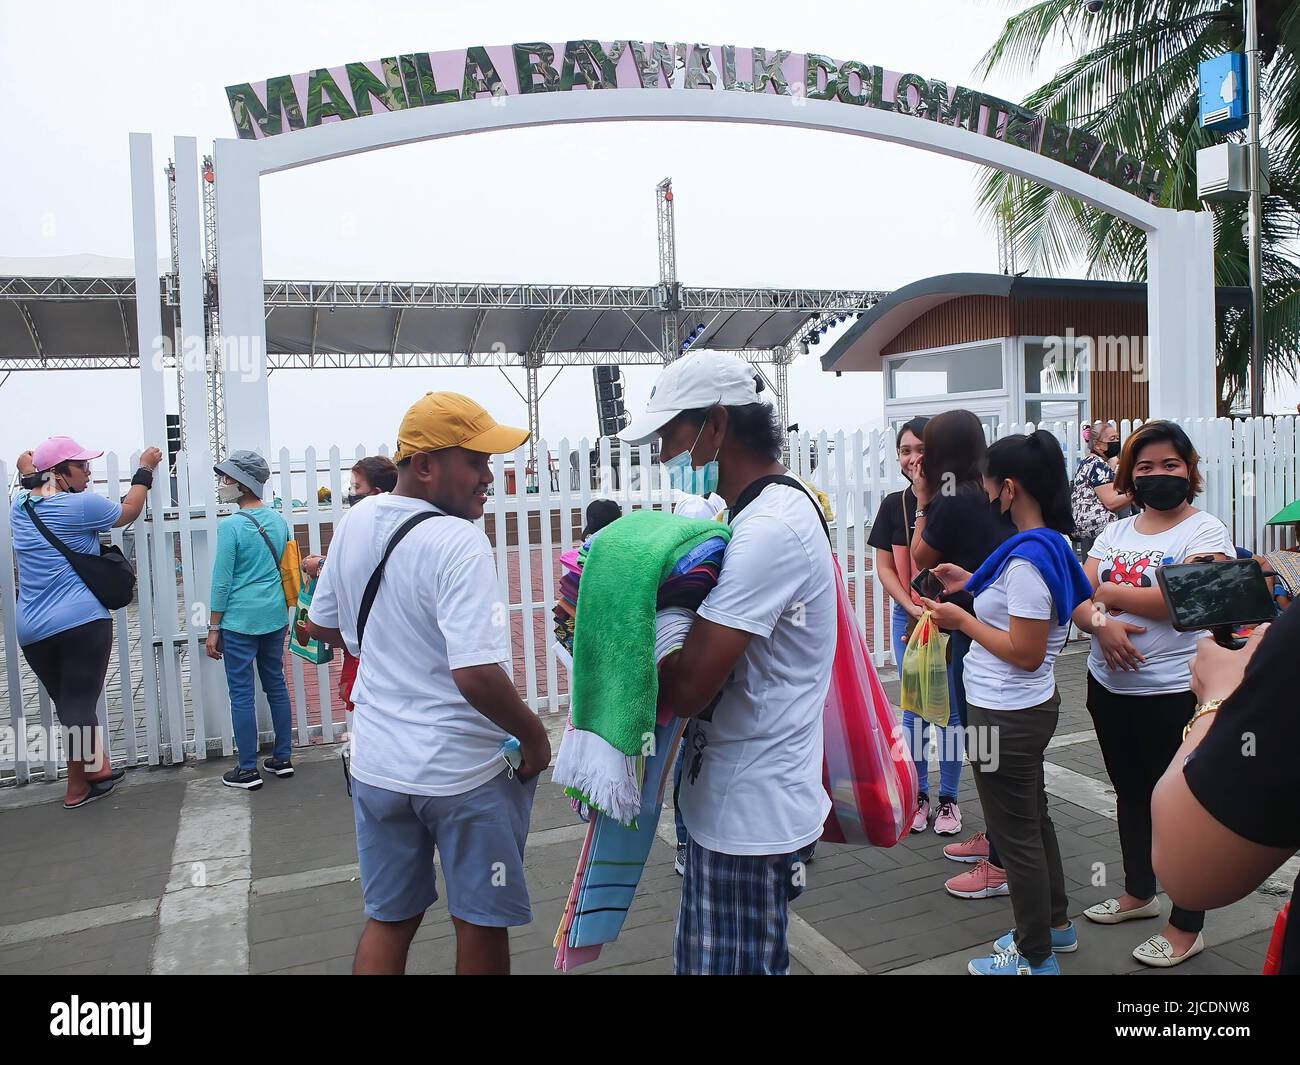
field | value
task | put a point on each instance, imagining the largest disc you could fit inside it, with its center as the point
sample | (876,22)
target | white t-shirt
(702,508)
(438,609)
(752,781)
(1126,556)
(1018,592)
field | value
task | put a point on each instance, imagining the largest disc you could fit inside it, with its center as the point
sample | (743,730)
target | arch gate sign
(293,120)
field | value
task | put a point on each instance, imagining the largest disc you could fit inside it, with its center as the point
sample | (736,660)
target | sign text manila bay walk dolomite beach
(291,102)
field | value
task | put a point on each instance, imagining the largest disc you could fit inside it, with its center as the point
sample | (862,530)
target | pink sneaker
(948,822)
(982,882)
(922,819)
(975,849)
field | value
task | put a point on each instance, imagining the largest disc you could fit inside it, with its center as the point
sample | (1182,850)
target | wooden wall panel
(1118,386)
(958,321)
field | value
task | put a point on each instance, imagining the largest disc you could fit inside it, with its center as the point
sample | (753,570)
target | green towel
(615,679)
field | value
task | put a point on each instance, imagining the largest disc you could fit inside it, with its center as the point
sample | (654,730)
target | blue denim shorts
(479,836)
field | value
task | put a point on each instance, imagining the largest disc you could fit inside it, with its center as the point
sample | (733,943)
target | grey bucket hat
(246,467)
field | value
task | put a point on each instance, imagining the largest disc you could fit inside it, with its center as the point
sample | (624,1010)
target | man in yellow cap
(417,601)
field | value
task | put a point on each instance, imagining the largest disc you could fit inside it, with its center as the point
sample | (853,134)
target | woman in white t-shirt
(1140,704)
(1024,596)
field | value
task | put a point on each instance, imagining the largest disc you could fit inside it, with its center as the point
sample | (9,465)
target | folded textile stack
(615,683)
(611,862)
(566,607)
(640,584)
(693,577)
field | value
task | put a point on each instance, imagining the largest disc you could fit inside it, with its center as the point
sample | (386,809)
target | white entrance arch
(1181,327)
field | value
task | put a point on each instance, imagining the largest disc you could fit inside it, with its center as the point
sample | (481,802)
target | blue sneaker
(1064,941)
(1012,964)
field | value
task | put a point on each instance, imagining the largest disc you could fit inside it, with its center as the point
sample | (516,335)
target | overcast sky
(756,206)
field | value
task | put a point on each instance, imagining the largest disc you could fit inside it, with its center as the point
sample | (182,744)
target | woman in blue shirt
(249,616)
(66,634)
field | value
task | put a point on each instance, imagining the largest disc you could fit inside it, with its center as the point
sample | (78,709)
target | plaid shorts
(735,912)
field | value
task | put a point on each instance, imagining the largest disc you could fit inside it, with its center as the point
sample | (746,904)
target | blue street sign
(1223,93)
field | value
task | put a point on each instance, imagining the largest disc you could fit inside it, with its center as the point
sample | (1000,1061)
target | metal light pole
(1254,213)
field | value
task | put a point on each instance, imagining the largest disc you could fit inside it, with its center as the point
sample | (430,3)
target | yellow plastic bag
(924,683)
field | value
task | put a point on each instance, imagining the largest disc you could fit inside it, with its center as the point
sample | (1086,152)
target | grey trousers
(1006,750)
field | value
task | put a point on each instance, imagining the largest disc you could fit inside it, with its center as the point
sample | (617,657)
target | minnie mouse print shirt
(1128,557)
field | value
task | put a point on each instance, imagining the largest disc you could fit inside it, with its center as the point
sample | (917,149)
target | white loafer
(1108,912)
(1159,952)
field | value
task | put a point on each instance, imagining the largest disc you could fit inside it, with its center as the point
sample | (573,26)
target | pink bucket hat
(56,449)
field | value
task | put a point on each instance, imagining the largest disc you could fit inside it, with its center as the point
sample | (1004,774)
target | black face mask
(1112,449)
(999,515)
(1161,491)
(353,500)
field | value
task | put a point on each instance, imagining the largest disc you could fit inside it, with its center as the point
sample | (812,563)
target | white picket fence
(166,701)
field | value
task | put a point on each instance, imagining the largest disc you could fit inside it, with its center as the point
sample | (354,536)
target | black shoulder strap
(269,546)
(756,489)
(44,530)
(372,586)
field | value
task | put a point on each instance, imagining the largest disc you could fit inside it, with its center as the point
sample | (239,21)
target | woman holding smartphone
(1139,703)
(891,536)
(1024,596)
(955,523)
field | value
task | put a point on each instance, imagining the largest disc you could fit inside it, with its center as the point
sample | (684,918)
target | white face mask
(229,493)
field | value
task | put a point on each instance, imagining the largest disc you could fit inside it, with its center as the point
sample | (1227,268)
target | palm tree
(1133,82)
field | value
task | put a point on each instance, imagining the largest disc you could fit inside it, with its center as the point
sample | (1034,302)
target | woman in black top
(1215,839)
(891,536)
(954,523)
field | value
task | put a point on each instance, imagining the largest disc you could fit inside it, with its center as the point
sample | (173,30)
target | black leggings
(72,665)
(1139,736)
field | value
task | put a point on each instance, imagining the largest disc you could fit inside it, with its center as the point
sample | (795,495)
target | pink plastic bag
(866,767)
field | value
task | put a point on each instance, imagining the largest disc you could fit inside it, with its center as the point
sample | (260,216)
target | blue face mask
(696,480)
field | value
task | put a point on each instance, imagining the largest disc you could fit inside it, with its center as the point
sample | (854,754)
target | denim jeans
(948,739)
(240,653)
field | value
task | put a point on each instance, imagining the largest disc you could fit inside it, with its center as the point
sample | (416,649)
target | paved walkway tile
(96,891)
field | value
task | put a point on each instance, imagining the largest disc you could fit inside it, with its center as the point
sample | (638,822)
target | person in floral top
(1093,499)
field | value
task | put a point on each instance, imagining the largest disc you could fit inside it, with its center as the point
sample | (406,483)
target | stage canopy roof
(89,322)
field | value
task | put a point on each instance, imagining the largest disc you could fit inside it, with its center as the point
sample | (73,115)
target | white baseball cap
(695,381)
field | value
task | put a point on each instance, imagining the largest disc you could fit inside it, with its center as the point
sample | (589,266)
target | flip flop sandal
(98,790)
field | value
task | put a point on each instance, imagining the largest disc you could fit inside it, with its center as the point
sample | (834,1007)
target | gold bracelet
(1205,708)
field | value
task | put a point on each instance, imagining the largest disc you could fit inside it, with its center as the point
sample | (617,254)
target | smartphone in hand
(927,585)
(1218,596)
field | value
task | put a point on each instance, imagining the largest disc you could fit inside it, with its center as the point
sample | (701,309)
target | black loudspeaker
(610,412)
(173,439)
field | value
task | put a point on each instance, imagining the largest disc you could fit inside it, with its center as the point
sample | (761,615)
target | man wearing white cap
(753,672)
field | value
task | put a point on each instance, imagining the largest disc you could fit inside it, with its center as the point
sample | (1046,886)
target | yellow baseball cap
(448,419)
